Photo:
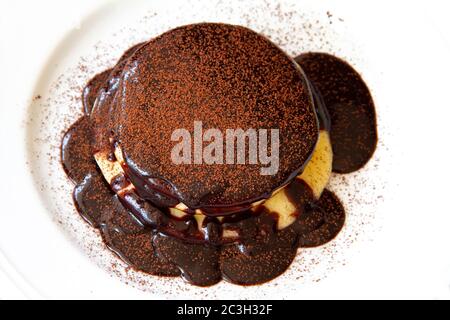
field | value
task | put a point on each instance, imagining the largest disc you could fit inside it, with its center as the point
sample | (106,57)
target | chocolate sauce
(262,254)
(261,258)
(93,197)
(139,229)
(350,106)
(102,109)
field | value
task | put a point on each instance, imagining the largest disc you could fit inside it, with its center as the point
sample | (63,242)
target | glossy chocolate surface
(138,227)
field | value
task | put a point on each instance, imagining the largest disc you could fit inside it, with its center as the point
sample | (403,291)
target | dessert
(260,135)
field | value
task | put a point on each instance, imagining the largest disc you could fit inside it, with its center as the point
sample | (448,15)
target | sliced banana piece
(316,175)
(318,170)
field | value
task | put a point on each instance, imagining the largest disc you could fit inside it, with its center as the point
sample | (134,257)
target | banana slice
(316,175)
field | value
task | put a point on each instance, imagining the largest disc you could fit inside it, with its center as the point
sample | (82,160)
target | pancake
(227,77)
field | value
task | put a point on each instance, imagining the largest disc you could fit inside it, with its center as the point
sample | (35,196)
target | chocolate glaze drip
(264,254)
(138,228)
(350,106)
(135,246)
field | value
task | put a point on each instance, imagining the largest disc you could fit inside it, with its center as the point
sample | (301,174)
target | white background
(412,257)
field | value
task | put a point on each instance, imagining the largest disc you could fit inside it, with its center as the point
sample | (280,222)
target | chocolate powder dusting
(228,77)
(350,106)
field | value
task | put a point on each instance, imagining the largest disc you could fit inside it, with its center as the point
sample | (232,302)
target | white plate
(394,241)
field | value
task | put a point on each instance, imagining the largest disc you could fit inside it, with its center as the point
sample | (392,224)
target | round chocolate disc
(350,106)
